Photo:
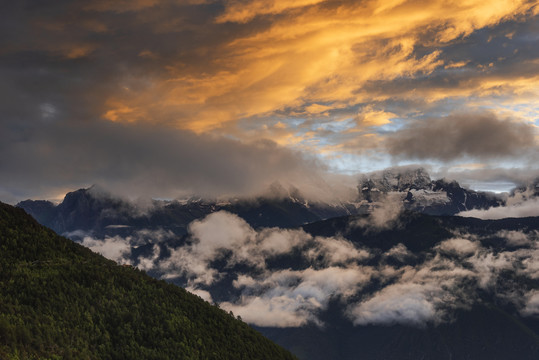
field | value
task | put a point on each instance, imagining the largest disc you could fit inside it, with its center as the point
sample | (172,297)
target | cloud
(114,248)
(243,11)
(532,304)
(268,297)
(487,266)
(384,214)
(147,263)
(484,177)
(400,303)
(519,238)
(292,298)
(155,236)
(447,278)
(427,293)
(475,135)
(335,251)
(524,209)
(454,274)
(530,262)
(202,293)
(277,311)
(458,246)
(399,252)
(221,230)
(222,235)
(150,161)
(225,236)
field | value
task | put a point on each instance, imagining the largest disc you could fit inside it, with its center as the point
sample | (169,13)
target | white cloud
(532,304)
(384,214)
(519,238)
(335,251)
(153,236)
(276,241)
(399,252)
(417,295)
(522,209)
(458,246)
(530,262)
(226,236)
(448,276)
(487,266)
(202,293)
(114,248)
(278,311)
(292,298)
(148,262)
(399,303)
(218,231)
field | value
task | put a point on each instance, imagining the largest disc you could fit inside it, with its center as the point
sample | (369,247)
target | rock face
(83,209)
(419,193)
(392,180)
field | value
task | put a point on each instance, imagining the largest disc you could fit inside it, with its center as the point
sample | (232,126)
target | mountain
(100,213)
(419,193)
(94,211)
(59,300)
(388,276)
(389,283)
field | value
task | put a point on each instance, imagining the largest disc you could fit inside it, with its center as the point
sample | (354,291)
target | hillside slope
(60,300)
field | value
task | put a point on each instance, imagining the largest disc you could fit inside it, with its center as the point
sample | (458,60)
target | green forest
(59,300)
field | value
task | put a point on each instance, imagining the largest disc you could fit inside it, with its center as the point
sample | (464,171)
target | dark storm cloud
(476,135)
(61,61)
(144,160)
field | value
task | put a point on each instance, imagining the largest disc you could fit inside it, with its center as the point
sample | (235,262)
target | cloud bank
(372,287)
(148,161)
(523,202)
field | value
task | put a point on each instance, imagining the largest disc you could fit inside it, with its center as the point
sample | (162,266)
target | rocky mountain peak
(396,180)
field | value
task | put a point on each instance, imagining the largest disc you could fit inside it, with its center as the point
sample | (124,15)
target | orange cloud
(371,117)
(243,11)
(317,57)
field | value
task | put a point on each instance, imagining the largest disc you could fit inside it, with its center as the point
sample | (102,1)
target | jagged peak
(396,179)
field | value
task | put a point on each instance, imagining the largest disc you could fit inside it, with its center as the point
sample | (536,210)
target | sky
(166,98)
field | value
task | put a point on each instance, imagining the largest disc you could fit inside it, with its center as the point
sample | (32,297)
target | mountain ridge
(92,210)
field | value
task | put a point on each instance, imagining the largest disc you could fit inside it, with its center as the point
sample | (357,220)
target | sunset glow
(335,87)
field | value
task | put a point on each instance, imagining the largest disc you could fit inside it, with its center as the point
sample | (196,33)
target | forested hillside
(59,300)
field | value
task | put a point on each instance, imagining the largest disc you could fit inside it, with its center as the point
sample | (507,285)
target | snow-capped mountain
(101,213)
(418,192)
